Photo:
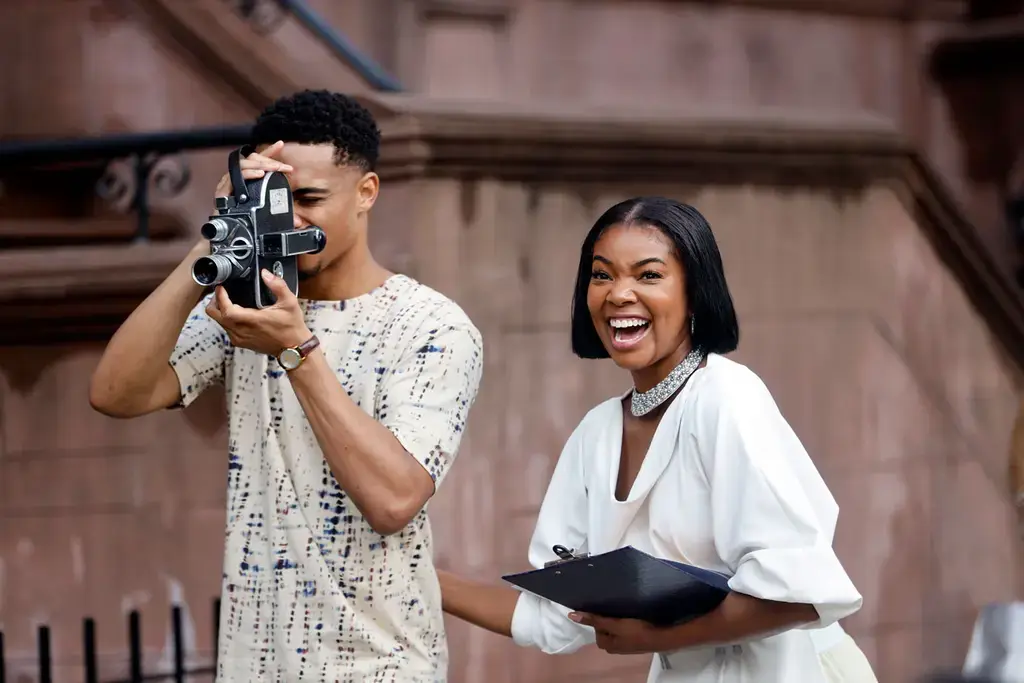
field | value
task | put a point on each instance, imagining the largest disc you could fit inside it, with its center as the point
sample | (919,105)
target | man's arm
(390,468)
(133,376)
(137,374)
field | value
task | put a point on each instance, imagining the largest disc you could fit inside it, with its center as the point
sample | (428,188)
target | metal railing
(266,15)
(138,163)
(90,663)
(150,160)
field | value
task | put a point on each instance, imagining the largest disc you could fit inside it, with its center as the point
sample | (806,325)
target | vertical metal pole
(3,664)
(89,651)
(179,648)
(45,664)
(135,646)
(142,168)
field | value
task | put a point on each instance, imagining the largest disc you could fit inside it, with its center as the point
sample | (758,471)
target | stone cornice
(81,293)
(471,139)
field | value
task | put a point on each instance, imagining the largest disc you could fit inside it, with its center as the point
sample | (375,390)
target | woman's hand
(624,636)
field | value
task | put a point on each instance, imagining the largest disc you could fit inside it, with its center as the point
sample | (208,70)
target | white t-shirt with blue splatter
(310,591)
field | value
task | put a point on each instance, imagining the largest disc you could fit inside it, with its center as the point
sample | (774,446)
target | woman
(694,464)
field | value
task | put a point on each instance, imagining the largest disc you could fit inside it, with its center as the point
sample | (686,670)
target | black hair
(314,117)
(716,329)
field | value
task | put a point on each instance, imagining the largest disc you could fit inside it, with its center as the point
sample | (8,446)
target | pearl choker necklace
(646,401)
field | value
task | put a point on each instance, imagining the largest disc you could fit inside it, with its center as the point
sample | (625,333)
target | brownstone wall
(880,342)
(872,350)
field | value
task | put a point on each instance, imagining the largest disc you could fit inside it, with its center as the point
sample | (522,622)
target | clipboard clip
(564,555)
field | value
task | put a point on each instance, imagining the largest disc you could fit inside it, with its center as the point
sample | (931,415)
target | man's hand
(269,330)
(624,636)
(255,166)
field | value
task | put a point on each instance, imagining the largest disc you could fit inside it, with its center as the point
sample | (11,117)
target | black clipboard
(626,583)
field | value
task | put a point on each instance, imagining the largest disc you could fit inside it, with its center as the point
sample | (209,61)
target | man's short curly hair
(314,117)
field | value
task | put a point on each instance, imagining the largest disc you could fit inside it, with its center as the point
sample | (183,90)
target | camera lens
(212,270)
(215,230)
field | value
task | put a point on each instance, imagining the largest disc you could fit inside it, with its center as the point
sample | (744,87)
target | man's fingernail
(266,275)
(574,616)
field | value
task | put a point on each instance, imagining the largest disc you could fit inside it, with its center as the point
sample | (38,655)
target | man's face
(332,197)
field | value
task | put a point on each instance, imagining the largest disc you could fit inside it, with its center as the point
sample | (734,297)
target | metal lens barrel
(215,230)
(211,270)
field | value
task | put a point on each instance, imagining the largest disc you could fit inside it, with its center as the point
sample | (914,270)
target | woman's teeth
(629,330)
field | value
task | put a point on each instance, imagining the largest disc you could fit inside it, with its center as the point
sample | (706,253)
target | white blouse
(726,485)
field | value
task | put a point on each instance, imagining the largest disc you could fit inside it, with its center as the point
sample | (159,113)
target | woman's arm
(483,605)
(739,618)
(773,517)
(529,620)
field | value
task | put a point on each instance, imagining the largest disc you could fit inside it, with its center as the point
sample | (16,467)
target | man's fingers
(223,302)
(259,162)
(270,150)
(214,312)
(264,159)
(282,295)
(255,166)
(231,313)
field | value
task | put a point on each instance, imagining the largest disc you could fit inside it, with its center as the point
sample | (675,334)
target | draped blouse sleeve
(538,622)
(773,518)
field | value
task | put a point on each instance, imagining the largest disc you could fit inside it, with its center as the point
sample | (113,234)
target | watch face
(289,359)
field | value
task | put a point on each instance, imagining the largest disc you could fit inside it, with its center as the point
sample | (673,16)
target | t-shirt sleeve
(426,396)
(199,357)
(773,517)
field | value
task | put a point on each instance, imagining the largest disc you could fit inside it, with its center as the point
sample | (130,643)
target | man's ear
(367,189)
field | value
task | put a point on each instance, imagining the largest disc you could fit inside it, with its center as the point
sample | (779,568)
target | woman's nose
(622,295)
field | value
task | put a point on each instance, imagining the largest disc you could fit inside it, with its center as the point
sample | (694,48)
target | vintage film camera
(253,229)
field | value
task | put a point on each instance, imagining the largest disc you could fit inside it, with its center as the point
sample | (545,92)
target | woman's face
(637,298)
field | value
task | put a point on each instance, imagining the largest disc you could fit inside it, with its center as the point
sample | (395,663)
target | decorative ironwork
(90,660)
(127,184)
(264,15)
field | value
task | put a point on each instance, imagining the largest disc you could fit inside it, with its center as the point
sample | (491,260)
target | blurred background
(862,165)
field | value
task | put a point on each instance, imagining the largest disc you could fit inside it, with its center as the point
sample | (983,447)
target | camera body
(254,229)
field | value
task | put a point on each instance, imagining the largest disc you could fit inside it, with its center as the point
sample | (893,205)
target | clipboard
(626,583)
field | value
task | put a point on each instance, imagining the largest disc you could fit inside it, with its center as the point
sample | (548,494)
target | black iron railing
(135,163)
(266,15)
(136,671)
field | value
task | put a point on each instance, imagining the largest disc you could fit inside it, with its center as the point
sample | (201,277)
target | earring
(692,318)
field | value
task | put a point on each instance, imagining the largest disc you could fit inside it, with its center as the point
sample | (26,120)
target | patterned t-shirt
(310,591)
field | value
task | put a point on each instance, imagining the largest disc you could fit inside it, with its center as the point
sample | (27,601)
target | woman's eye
(650,275)
(599,275)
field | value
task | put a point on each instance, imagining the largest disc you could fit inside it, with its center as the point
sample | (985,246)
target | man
(334,449)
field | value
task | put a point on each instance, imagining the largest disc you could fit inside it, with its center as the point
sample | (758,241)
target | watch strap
(306,347)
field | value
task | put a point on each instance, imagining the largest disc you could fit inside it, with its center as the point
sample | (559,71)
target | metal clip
(564,555)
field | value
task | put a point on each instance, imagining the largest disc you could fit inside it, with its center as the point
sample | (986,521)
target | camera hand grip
(235,173)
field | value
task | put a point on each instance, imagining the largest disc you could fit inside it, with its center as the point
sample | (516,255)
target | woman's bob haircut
(716,329)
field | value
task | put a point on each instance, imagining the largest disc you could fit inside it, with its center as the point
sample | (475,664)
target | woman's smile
(628,331)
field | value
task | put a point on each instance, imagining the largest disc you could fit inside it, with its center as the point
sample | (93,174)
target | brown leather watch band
(307,346)
(294,356)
